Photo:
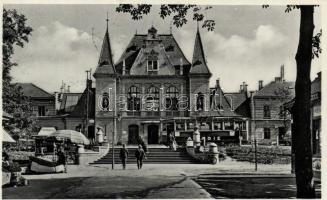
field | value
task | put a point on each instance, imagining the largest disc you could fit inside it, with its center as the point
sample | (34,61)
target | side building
(316,114)
(270,123)
(43,103)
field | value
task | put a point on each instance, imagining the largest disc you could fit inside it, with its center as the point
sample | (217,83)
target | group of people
(140,154)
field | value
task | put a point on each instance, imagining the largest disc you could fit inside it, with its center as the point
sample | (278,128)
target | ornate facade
(153,91)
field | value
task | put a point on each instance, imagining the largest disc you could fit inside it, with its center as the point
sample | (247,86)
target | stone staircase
(156,155)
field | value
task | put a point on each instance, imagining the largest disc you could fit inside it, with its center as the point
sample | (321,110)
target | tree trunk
(301,108)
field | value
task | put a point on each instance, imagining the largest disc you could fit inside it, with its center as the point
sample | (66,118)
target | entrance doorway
(133,134)
(153,134)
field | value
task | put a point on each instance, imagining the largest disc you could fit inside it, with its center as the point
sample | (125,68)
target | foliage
(316,49)
(15,33)
(265,154)
(178,11)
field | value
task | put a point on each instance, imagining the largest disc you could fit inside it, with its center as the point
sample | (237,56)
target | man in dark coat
(123,154)
(143,145)
(140,155)
(62,160)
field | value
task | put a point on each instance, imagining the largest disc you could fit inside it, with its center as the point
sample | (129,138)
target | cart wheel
(214,160)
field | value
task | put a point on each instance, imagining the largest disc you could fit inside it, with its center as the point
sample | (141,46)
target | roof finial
(107,20)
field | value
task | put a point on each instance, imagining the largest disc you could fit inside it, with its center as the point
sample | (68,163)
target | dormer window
(153,67)
(169,48)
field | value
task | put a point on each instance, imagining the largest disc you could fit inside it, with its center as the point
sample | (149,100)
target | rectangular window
(180,126)
(229,126)
(152,65)
(266,133)
(217,126)
(266,111)
(190,126)
(41,110)
(204,126)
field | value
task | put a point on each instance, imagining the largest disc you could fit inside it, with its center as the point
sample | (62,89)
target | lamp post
(254,132)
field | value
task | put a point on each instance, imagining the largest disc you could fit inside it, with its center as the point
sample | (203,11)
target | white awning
(6,137)
(46,131)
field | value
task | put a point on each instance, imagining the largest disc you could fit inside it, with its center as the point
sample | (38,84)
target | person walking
(140,155)
(123,154)
(62,159)
(142,143)
(174,144)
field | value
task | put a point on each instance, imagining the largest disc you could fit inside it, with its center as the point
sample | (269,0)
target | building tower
(199,78)
(105,80)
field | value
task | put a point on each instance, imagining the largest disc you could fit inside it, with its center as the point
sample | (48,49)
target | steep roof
(172,50)
(68,102)
(105,64)
(274,89)
(199,65)
(236,97)
(220,105)
(33,91)
(80,108)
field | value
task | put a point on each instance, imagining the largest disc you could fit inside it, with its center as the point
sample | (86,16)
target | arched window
(172,98)
(133,98)
(200,102)
(152,100)
(105,101)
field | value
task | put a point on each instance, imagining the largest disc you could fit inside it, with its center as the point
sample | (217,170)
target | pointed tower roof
(199,65)
(105,64)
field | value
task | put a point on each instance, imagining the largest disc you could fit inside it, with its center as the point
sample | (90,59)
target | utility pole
(254,132)
(87,103)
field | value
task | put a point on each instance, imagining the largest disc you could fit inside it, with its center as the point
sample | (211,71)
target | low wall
(88,157)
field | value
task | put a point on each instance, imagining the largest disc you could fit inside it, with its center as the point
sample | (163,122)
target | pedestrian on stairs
(123,154)
(140,155)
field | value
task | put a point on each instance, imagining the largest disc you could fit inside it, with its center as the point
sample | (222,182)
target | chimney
(245,87)
(89,83)
(124,67)
(217,83)
(241,88)
(64,86)
(260,84)
(282,73)
(278,79)
(68,88)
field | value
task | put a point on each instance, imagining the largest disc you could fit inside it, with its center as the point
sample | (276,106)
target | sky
(248,44)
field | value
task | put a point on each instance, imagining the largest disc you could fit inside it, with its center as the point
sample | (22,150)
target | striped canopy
(73,136)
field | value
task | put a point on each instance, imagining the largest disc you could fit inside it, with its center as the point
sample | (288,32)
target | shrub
(265,155)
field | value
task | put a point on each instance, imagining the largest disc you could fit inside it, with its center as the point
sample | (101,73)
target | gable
(33,91)
(152,54)
(169,46)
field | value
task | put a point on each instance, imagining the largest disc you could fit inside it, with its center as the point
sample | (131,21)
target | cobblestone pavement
(251,186)
(153,181)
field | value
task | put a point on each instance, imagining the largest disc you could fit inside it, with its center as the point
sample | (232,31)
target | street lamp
(255,133)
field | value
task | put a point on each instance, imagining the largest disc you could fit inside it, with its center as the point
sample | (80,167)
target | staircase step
(155,155)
